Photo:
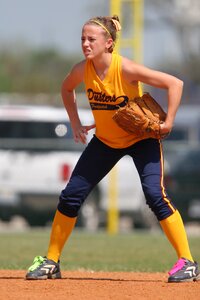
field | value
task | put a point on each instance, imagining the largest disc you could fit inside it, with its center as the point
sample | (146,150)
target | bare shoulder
(78,69)
(75,76)
(130,66)
(131,69)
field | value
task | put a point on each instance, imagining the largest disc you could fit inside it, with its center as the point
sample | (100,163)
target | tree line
(33,71)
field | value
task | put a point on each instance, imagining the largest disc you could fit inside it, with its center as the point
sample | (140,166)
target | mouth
(86,52)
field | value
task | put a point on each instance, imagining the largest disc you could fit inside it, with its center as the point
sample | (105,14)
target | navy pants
(98,159)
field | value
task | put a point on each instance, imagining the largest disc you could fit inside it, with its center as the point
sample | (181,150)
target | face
(94,41)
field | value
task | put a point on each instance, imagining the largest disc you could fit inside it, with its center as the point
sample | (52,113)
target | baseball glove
(141,116)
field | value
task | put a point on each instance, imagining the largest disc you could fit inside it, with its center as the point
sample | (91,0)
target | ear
(109,43)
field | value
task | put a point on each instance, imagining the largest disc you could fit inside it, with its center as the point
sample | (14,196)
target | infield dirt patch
(88,285)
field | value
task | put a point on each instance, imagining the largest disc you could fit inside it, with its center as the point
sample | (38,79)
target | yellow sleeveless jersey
(105,96)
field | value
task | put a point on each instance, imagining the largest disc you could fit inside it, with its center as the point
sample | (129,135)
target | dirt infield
(87,285)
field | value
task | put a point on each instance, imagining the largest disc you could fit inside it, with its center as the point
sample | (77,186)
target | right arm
(72,80)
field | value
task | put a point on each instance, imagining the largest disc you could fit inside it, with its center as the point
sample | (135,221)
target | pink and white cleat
(184,270)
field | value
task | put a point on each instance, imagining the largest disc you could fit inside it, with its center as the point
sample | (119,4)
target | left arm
(174,86)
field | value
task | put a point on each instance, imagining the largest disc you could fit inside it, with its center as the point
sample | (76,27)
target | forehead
(92,29)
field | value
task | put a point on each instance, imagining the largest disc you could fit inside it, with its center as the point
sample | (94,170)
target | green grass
(136,251)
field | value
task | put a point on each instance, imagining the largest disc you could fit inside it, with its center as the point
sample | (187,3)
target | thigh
(148,158)
(96,161)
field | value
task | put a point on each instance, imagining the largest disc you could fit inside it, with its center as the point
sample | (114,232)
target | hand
(165,130)
(81,132)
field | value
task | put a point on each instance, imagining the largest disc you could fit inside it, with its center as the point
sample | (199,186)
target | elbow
(180,83)
(65,89)
(177,85)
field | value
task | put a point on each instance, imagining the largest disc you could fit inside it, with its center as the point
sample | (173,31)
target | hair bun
(116,24)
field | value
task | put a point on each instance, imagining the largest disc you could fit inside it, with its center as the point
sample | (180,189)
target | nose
(85,43)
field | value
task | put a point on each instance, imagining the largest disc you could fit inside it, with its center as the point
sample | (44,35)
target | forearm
(69,101)
(174,99)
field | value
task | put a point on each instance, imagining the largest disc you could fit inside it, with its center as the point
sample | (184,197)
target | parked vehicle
(37,156)
(186,129)
(183,183)
(182,162)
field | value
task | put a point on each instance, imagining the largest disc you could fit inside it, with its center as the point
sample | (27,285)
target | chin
(88,56)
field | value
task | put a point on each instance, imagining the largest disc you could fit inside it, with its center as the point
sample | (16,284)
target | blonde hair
(111,26)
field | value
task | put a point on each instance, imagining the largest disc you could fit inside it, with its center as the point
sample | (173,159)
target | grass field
(136,251)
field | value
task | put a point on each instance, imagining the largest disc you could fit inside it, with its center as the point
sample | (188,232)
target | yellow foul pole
(133,42)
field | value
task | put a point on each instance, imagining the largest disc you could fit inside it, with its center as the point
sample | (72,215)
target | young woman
(110,80)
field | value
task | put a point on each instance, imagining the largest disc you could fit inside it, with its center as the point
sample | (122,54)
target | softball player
(110,80)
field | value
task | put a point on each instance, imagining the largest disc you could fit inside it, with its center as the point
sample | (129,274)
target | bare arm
(174,86)
(72,80)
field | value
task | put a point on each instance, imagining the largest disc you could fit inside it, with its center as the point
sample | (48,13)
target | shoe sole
(197,278)
(44,277)
(185,280)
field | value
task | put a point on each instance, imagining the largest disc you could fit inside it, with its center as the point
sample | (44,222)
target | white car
(37,156)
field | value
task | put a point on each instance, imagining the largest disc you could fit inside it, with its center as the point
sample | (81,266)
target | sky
(54,23)
(58,24)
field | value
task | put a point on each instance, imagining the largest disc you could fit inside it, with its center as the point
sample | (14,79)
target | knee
(73,196)
(151,195)
(158,201)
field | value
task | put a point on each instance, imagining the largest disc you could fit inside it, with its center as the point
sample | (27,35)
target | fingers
(164,131)
(164,135)
(90,127)
(80,134)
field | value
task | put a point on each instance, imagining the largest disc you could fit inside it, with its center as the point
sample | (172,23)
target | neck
(102,64)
